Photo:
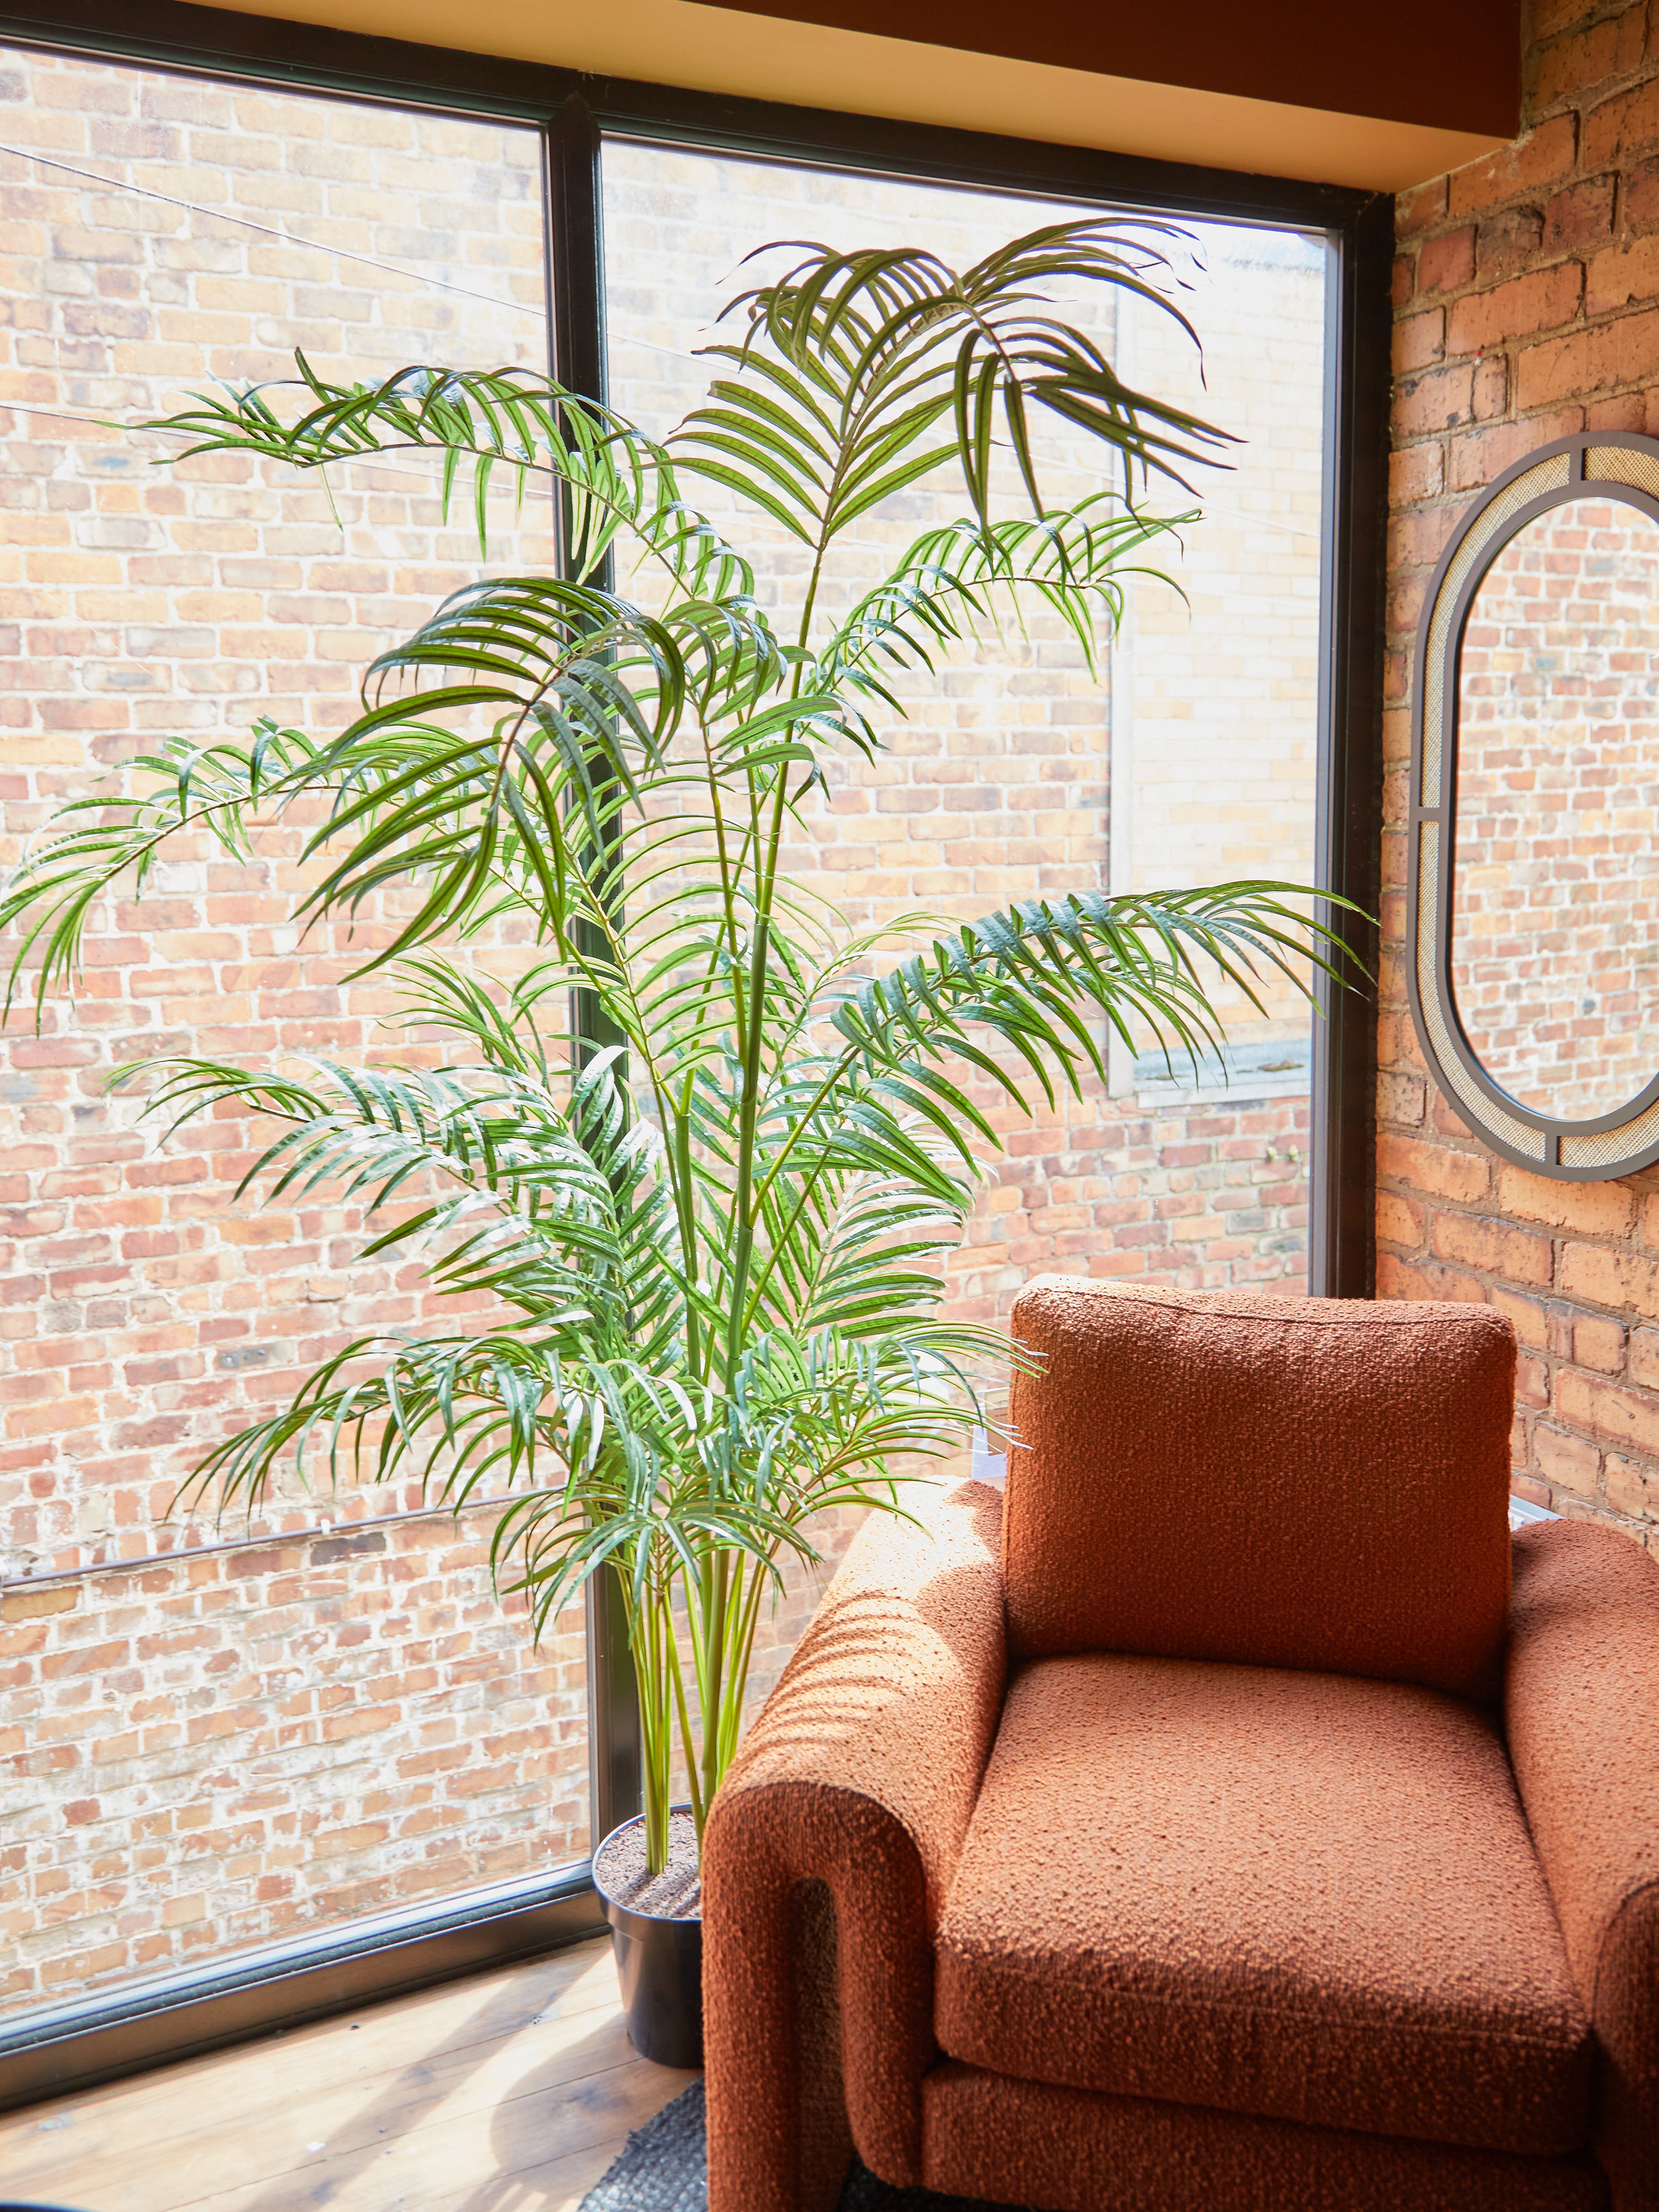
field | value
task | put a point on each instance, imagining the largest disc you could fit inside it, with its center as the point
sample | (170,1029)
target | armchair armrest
(1582,1713)
(828,1855)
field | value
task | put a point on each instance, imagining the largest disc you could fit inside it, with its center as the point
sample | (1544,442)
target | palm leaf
(853,363)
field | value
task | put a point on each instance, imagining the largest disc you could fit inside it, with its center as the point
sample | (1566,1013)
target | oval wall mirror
(1534,881)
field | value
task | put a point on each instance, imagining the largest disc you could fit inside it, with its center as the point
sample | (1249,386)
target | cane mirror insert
(1534,894)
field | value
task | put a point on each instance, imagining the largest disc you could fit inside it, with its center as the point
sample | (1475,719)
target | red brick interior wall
(1526,296)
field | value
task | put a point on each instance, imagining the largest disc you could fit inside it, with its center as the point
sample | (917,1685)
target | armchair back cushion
(1316,1483)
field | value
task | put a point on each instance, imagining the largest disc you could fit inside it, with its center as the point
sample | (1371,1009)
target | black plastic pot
(659,1966)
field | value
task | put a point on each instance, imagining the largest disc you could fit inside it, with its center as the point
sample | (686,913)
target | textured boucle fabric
(1304,1896)
(828,1856)
(1066,2150)
(1351,1844)
(1287,1482)
(1582,1713)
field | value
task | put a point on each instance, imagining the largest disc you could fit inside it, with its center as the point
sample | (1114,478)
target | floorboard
(510,2092)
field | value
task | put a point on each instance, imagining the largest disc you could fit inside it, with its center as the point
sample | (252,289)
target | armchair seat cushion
(1306,1897)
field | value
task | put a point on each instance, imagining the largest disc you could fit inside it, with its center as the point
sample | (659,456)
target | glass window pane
(1189,757)
(218,1747)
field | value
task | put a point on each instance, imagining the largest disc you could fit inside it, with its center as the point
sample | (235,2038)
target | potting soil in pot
(676,1893)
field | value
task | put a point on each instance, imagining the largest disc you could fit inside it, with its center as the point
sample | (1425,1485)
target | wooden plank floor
(511,2092)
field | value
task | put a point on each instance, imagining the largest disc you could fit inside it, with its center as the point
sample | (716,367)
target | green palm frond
(509,425)
(114,836)
(1022,975)
(951,585)
(860,373)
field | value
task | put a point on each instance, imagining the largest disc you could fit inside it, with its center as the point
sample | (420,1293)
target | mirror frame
(1619,464)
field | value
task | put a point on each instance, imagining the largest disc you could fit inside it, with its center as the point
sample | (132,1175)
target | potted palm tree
(703,1155)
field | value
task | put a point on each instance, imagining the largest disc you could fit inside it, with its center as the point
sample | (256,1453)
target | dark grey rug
(664,2168)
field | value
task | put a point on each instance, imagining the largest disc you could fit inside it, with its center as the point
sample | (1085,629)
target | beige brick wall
(219,1751)
(1527,298)
(212,1751)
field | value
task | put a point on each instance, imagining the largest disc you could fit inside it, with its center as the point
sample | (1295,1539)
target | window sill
(135,2025)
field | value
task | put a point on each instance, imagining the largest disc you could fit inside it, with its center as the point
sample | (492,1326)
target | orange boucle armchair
(1217,1821)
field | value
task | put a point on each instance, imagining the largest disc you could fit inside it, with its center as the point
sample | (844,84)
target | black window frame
(135,2026)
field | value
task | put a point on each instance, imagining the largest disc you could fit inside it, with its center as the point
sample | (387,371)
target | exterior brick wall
(207,1754)
(214,1751)
(1526,300)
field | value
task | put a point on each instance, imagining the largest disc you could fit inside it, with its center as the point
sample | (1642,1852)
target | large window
(225,1737)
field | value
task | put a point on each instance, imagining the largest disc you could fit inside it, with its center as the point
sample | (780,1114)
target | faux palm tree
(704,1155)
